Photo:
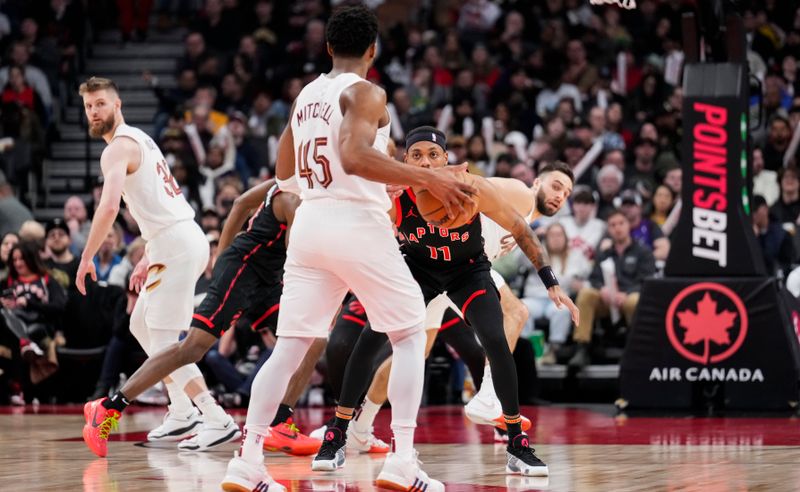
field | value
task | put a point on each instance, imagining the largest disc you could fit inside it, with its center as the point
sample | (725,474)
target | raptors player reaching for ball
(548,193)
(332,153)
(176,254)
(453,261)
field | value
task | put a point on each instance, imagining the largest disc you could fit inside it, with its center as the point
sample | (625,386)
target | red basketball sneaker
(286,437)
(99,423)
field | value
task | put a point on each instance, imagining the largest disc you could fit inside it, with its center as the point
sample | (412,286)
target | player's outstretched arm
(243,206)
(515,192)
(493,204)
(364,106)
(114,163)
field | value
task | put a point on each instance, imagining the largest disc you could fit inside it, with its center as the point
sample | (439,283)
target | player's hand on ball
(560,299)
(451,191)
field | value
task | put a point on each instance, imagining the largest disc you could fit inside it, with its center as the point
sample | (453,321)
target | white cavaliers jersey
(493,234)
(315,122)
(151,193)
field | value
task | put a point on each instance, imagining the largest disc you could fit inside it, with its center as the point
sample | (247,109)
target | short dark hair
(617,211)
(351,30)
(557,166)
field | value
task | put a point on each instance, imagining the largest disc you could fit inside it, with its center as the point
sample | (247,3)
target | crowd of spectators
(513,84)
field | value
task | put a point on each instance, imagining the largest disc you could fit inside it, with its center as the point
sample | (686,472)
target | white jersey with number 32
(151,193)
(315,122)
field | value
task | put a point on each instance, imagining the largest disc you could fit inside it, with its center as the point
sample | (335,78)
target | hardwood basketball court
(586,448)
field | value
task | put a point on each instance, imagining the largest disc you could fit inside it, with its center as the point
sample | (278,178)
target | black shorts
(238,289)
(461,287)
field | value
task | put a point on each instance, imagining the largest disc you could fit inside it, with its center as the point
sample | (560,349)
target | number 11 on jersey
(444,250)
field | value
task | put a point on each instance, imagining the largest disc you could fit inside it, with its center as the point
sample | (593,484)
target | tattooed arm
(493,204)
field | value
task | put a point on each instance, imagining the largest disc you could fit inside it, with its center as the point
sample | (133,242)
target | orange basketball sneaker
(287,438)
(99,423)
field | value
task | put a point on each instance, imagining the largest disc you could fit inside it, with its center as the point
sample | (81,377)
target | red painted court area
(552,425)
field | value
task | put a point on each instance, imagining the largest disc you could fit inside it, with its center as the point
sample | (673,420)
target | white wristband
(288,185)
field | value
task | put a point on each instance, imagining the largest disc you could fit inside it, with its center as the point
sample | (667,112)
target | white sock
(405,387)
(369,410)
(403,442)
(252,449)
(208,406)
(179,403)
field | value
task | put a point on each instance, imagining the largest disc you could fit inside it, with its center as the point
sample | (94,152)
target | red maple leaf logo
(707,325)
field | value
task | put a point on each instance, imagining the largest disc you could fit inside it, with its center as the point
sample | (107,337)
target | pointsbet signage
(714,236)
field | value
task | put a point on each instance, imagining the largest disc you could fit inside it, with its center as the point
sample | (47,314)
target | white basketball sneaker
(176,427)
(400,474)
(365,442)
(243,476)
(485,409)
(212,434)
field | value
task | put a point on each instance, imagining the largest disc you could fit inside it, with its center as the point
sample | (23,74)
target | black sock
(117,402)
(341,422)
(514,429)
(285,412)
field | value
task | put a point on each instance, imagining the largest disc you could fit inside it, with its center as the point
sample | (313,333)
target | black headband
(433,136)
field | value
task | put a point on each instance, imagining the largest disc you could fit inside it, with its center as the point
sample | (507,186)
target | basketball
(434,212)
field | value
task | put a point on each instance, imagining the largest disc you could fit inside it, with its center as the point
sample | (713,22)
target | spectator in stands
(10,239)
(108,255)
(77,219)
(20,56)
(643,230)
(171,100)
(641,174)
(787,209)
(609,184)
(59,256)
(674,179)
(134,15)
(17,91)
(194,54)
(37,302)
(614,284)
(12,212)
(765,181)
(572,269)
(778,138)
(583,229)
(229,191)
(210,220)
(32,231)
(579,71)
(776,243)
(219,27)
(663,201)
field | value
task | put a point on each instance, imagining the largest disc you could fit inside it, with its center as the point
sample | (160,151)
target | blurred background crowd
(514,85)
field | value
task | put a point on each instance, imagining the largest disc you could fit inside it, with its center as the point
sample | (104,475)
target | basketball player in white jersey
(332,153)
(176,254)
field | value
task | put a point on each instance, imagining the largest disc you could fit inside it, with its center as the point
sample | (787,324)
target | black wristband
(548,277)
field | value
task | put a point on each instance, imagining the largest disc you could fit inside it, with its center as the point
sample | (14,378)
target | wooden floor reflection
(585,450)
